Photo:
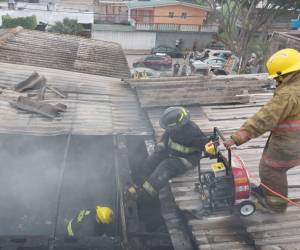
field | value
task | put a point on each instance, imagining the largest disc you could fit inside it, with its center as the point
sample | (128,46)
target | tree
(68,26)
(240,20)
(26,22)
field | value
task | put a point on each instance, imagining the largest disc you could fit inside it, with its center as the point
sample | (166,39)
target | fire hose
(264,185)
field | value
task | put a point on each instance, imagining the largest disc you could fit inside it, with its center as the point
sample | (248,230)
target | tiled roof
(63,52)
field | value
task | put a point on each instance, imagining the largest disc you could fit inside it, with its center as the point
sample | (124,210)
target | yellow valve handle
(210,149)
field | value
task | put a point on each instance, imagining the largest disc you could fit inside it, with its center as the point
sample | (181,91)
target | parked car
(150,72)
(207,53)
(216,46)
(173,52)
(200,67)
(154,62)
(220,53)
(215,62)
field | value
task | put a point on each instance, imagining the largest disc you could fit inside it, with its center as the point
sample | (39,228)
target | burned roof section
(65,52)
(95,105)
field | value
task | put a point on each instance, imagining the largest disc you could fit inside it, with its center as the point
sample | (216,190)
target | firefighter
(180,149)
(95,222)
(280,116)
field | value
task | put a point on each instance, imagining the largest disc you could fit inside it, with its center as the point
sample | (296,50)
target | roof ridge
(9,34)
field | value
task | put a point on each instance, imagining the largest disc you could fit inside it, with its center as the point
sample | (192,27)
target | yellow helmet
(283,62)
(104,215)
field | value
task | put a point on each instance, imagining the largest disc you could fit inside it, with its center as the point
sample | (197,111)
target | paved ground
(132,58)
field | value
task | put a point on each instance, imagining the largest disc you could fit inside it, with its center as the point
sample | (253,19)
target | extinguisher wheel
(247,208)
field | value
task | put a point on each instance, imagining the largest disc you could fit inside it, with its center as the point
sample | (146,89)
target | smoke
(30,176)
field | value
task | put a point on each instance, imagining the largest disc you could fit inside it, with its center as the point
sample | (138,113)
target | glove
(160,147)
(210,149)
(132,192)
(229,143)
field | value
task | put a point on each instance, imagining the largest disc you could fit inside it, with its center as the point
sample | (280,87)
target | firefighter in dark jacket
(94,222)
(180,149)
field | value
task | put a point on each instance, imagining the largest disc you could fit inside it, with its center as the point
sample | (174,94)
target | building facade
(169,15)
(152,23)
(109,11)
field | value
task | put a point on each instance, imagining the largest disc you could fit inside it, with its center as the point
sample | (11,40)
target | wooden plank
(175,226)
(163,101)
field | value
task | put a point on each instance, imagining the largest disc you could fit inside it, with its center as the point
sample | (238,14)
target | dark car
(173,52)
(154,62)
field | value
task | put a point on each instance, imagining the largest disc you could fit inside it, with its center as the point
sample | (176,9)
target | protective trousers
(158,169)
(276,179)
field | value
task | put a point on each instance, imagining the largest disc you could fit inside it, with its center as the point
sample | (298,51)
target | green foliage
(26,22)
(242,20)
(68,26)
(202,3)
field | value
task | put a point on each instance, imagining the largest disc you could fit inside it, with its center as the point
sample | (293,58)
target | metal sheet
(95,105)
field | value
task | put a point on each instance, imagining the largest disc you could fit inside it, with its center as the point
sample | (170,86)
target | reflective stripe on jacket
(287,126)
(181,148)
(75,222)
(281,116)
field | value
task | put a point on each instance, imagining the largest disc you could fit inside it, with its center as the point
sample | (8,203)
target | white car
(199,65)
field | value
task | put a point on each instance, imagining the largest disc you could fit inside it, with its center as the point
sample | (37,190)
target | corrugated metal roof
(259,231)
(96,105)
(63,52)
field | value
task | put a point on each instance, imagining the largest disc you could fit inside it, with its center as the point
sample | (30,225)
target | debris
(45,109)
(42,92)
(34,81)
(37,82)
(56,91)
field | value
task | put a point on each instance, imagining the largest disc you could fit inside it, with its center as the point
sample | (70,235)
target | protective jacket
(85,224)
(186,142)
(281,116)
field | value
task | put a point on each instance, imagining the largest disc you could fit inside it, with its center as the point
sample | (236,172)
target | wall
(188,39)
(279,41)
(143,15)
(147,40)
(49,17)
(128,40)
(195,16)
(111,12)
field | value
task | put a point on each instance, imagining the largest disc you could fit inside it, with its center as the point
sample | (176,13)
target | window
(146,17)
(183,15)
(171,14)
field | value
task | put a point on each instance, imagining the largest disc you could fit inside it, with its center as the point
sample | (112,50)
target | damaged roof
(96,105)
(226,103)
(65,52)
(194,92)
